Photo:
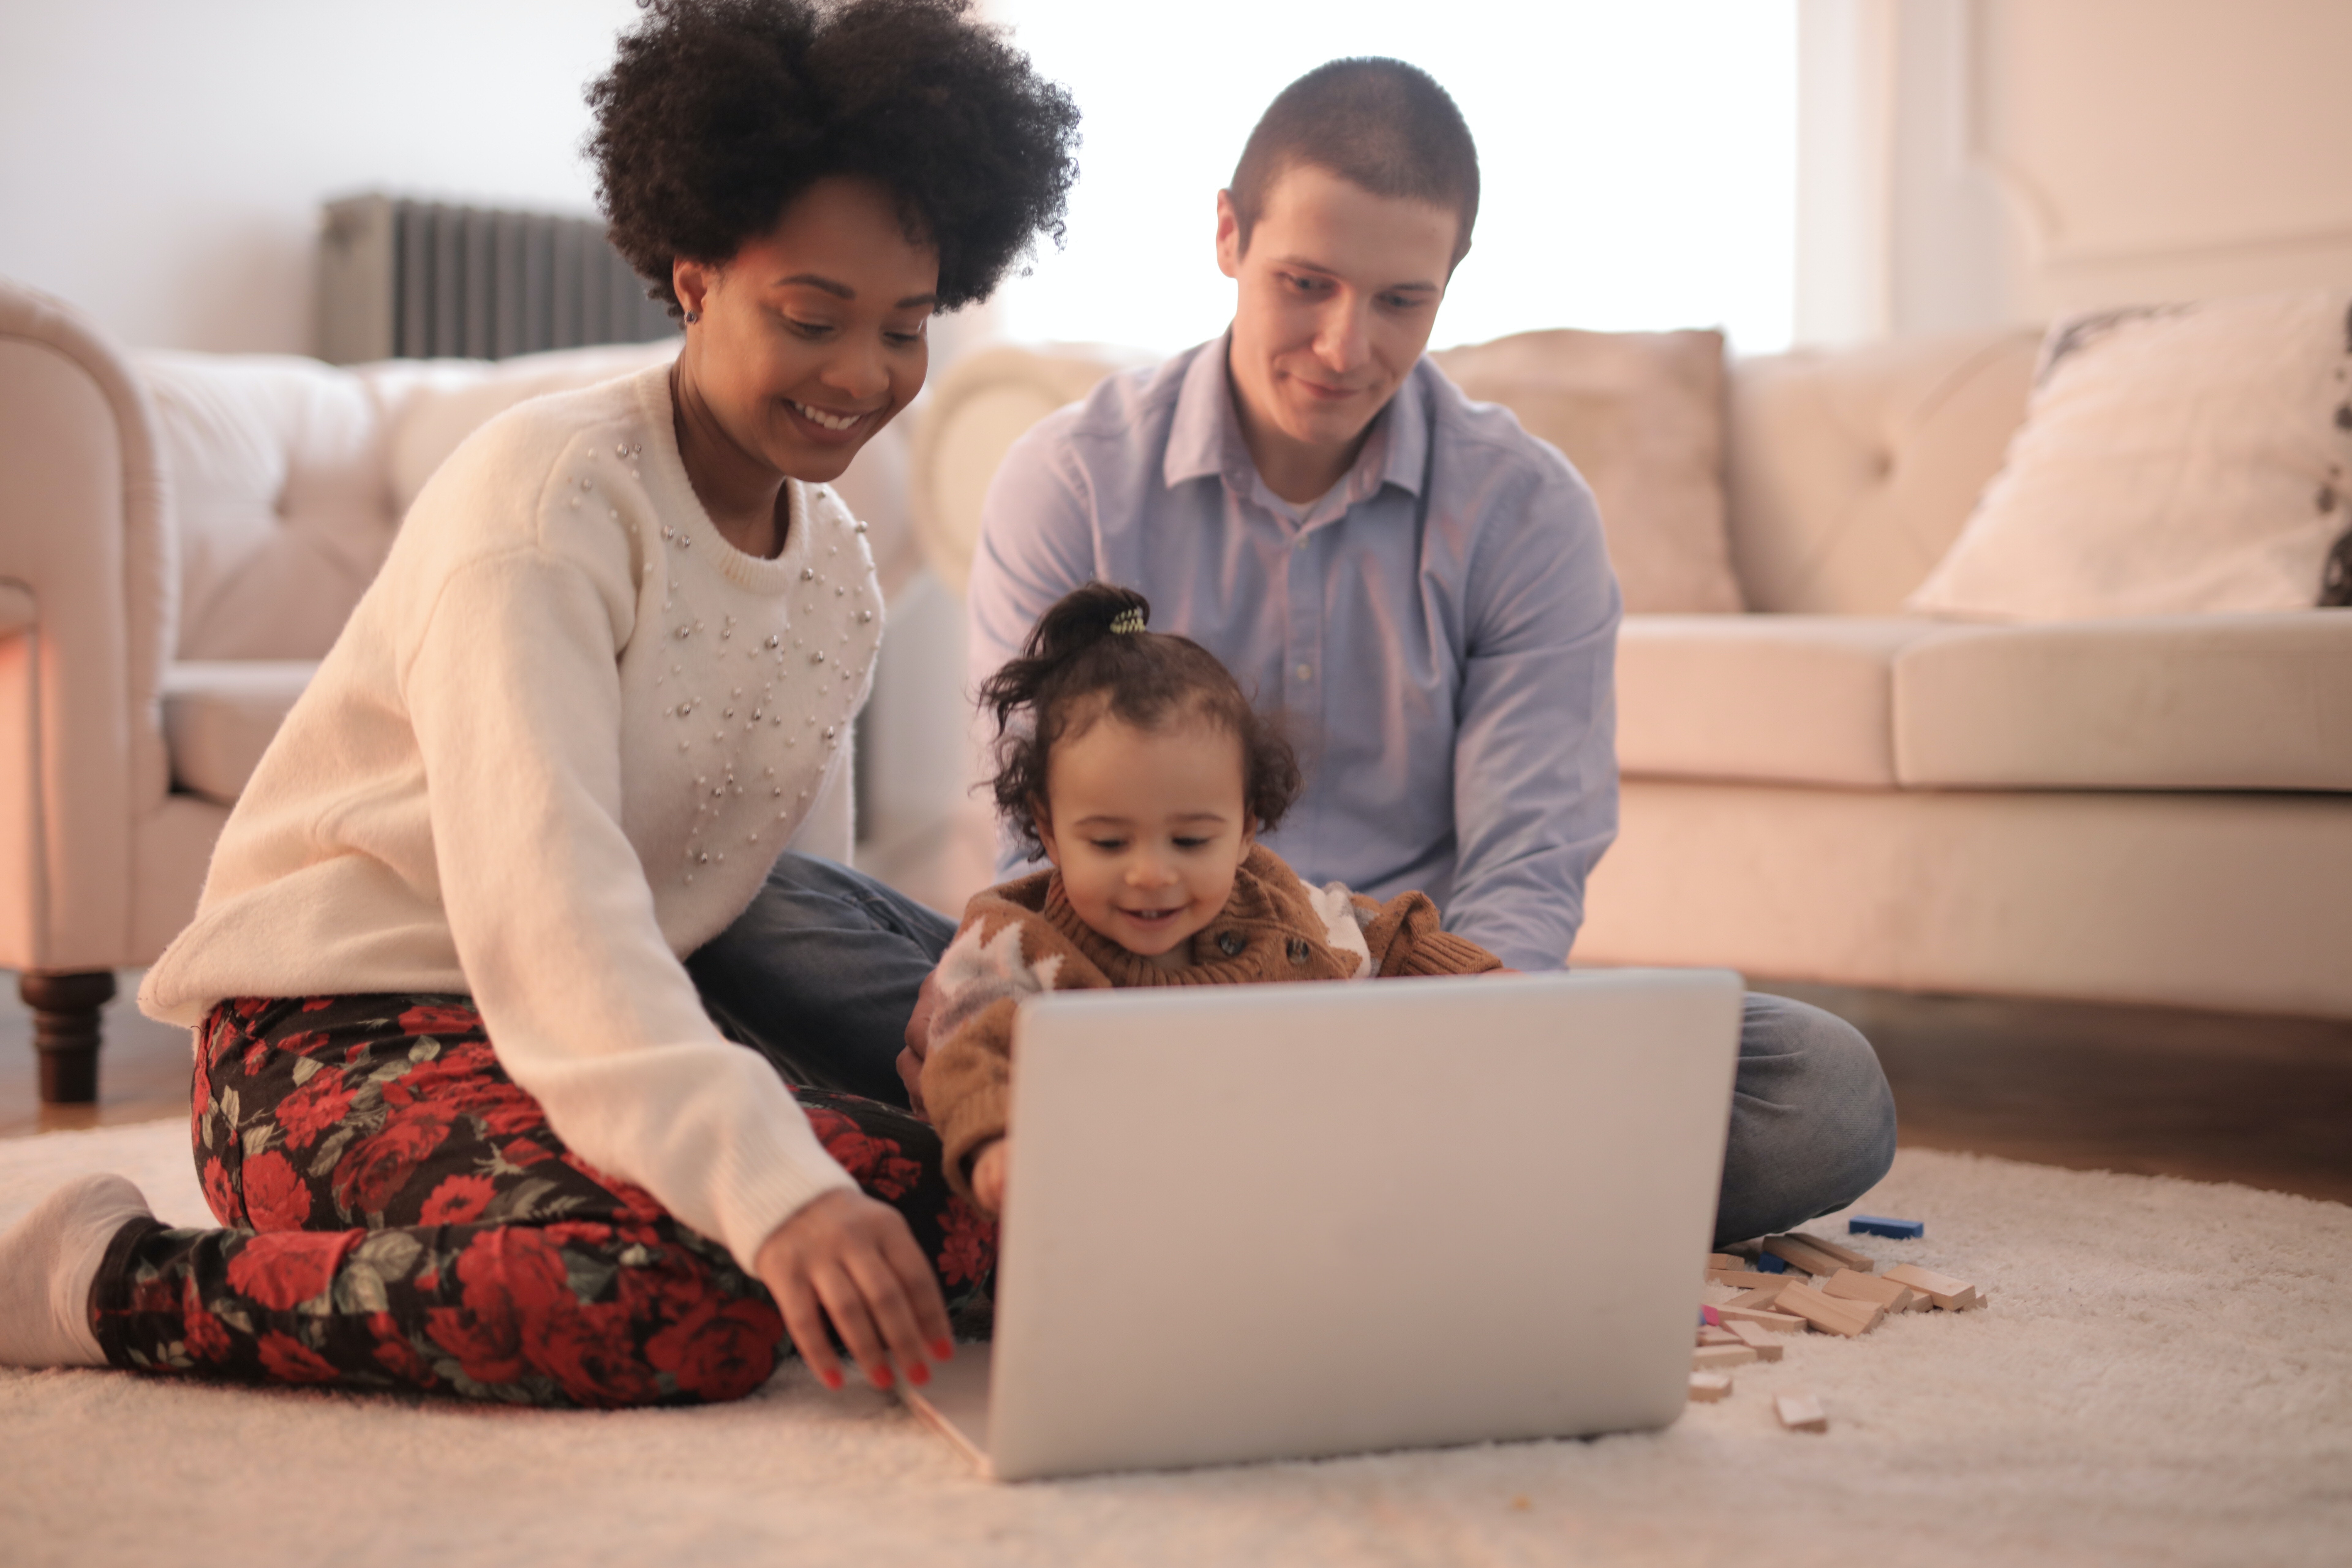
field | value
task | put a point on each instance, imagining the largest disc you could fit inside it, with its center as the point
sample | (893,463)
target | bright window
(1638,160)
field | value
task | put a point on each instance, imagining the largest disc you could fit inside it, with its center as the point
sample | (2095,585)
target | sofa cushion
(219,717)
(1640,415)
(1777,698)
(2174,459)
(2184,702)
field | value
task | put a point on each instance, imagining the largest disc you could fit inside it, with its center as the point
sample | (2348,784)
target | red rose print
(254,1059)
(512,1112)
(275,1193)
(314,1109)
(219,1195)
(589,1350)
(439,1018)
(156,1294)
(249,1007)
(283,1268)
(719,1352)
(206,1339)
(670,1286)
(289,1361)
(460,1078)
(304,1043)
(396,1356)
(376,1168)
(513,1269)
(829,1125)
(634,1201)
(313,1003)
(457,1201)
(487,1350)
(875,1163)
(967,1244)
(519,1151)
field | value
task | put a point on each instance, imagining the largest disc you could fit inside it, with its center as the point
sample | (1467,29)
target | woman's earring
(692,317)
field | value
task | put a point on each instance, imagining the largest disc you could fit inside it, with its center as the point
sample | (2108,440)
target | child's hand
(988,1177)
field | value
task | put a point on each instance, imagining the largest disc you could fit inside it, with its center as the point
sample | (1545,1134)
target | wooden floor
(2210,1096)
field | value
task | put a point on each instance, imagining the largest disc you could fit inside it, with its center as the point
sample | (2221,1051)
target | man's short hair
(1379,123)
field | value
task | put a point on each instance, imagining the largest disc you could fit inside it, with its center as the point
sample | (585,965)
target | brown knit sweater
(1022,938)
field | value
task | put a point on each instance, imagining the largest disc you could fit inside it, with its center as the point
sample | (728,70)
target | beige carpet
(2164,1375)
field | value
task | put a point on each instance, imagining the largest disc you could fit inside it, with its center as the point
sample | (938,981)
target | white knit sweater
(556,749)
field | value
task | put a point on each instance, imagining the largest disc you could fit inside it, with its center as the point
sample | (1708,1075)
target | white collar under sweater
(623,719)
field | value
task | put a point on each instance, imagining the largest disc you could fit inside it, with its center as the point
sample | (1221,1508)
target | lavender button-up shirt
(1438,632)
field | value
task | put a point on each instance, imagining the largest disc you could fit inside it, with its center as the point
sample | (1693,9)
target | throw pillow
(1640,415)
(2174,459)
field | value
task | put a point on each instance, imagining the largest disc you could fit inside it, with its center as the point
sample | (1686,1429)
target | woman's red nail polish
(943,1350)
(881,1376)
(919,1375)
(830,1378)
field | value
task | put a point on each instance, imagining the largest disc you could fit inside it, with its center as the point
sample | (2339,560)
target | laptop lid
(1287,1221)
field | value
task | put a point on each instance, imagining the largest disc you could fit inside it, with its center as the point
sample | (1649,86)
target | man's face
(1338,290)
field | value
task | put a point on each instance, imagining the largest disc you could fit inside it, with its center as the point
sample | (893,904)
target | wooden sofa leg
(65,1031)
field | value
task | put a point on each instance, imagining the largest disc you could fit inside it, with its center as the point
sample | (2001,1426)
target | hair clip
(1128,620)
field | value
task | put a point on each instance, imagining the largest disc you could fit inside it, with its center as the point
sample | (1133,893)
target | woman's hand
(852,1258)
(988,1177)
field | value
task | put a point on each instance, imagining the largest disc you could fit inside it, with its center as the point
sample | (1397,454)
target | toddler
(1144,775)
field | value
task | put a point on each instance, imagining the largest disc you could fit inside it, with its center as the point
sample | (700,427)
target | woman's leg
(820,974)
(402,1215)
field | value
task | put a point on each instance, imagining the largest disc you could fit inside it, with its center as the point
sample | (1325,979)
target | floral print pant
(399,1213)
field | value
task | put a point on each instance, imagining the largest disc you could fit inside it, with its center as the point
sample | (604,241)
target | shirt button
(1306,672)
(1230,943)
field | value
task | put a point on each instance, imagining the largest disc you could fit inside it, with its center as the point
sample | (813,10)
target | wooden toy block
(1854,1261)
(1706,1387)
(1875,1225)
(1800,1255)
(1721,1260)
(1719,1337)
(1741,1279)
(1951,1294)
(1759,1338)
(1763,1295)
(1775,1322)
(1849,1286)
(1800,1412)
(1714,1358)
(1771,1263)
(1829,1313)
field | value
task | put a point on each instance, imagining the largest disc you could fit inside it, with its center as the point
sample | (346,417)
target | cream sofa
(180,538)
(1823,788)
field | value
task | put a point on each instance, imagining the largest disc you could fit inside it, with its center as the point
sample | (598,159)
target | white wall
(2036,157)
(161,163)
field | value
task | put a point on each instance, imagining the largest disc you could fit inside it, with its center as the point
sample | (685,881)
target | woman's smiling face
(811,337)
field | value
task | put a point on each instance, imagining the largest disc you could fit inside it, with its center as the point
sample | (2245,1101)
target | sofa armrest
(83,535)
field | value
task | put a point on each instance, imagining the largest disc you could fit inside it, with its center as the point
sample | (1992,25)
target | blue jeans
(820,975)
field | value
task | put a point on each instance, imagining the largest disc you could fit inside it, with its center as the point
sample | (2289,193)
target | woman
(456,1102)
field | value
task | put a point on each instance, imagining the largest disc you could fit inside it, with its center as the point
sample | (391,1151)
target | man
(1416,584)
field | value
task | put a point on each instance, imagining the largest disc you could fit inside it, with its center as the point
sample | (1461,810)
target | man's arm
(1036,543)
(1535,759)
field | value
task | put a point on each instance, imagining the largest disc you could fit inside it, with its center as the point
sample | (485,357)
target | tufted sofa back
(289,478)
(1849,473)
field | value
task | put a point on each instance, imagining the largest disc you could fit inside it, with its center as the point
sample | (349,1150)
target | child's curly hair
(1092,642)
(717,114)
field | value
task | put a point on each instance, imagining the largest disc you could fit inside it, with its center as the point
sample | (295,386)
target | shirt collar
(1204,440)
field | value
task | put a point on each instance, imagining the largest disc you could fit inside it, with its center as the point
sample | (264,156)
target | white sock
(47,1263)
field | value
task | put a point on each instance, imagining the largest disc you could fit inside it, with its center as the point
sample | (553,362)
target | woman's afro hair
(717,114)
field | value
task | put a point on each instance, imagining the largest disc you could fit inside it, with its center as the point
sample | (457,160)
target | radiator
(404,279)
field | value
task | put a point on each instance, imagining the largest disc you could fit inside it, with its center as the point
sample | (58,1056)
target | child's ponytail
(1094,641)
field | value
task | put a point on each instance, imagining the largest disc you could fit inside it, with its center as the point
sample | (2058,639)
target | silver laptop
(1258,1222)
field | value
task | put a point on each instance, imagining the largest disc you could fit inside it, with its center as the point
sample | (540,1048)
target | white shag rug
(2164,1377)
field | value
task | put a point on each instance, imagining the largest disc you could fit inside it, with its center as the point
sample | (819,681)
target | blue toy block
(1770,1263)
(1872,1224)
